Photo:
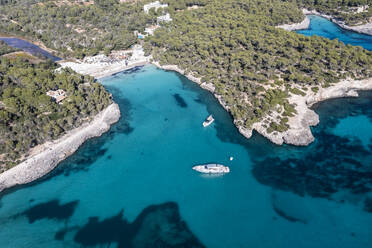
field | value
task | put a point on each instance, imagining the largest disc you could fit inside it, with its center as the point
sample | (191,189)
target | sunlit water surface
(322,27)
(134,186)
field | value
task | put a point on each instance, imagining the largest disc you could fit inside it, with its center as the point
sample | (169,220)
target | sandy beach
(100,66)
(48,155)
(296,26)
(52,153)
(100,71)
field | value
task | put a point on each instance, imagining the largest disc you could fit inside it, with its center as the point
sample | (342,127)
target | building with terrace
(57,95)
(155,5)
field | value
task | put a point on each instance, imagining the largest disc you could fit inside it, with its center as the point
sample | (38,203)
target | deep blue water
(28,47)
(322,27)
(134,186)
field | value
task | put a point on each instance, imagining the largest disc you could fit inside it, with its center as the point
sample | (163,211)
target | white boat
(208,121)
(212,168)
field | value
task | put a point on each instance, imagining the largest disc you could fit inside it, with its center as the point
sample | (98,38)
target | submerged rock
(156,226)
(368,204)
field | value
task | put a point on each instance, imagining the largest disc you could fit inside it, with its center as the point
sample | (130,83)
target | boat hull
(211,170)
(208,121)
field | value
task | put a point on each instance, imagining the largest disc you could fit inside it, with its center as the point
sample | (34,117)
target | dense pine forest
(232,44)
(253,65)
(76,28)
(28,117)
(5,49)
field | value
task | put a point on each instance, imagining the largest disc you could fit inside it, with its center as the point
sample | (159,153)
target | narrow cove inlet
(322,27)
(134,186)
(119,187)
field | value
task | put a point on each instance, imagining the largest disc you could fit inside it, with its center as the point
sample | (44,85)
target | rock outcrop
(54,152)
(296,26)
(363,29)
(299,132)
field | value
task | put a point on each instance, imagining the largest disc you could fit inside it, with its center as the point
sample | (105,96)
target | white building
(362,9)
(58,95)
(155,5)
(164,18)
(150,30)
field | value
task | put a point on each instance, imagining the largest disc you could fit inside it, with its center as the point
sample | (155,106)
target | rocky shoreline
(299,132)
(52,153)
(362,29)
(207,86)
(296,26)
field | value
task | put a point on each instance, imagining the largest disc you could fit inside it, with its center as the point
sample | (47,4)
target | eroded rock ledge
(54,152)
(363,29)
(296,26)
(299,132)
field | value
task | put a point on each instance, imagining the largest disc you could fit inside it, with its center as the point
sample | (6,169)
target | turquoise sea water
(134,186)
(322,27)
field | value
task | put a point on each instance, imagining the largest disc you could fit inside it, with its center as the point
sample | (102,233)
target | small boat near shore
(212,168)
(208,121)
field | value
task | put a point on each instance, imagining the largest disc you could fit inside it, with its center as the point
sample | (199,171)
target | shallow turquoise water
(322,27)
(355,127)
(134,187)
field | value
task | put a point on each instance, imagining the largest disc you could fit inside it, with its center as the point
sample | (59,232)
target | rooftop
(155,5)
(164,18)
(58,95)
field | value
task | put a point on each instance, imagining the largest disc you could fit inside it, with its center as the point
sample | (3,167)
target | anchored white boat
(208,121)
(212,168)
